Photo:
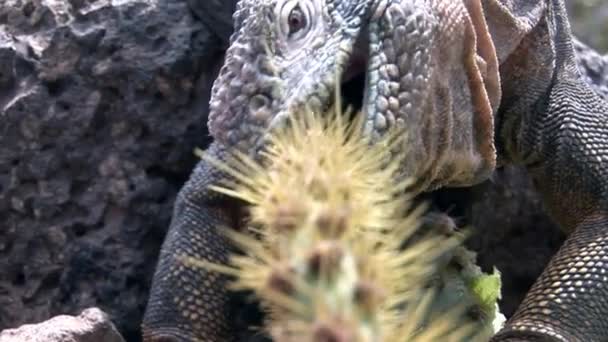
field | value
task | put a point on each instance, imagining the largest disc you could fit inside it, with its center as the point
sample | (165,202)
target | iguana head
(283,54)
(428,65)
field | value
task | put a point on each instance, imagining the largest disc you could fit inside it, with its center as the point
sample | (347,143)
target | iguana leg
(565,141)
(569,302)
(186,303)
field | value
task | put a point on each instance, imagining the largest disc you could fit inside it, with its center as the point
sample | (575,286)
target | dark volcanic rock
(594,68)
(511,230)
(216,14)
(101,105)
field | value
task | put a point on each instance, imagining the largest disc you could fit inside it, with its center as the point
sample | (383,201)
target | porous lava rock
(101,105)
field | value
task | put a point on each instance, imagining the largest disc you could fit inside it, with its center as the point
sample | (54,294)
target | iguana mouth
(353,83)
(352,87)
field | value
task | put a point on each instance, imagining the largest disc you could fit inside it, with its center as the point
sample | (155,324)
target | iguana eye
(296,20)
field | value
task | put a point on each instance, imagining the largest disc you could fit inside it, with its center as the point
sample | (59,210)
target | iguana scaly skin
(467,81)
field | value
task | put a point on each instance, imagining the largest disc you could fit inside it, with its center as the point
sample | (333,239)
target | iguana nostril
(259,107)
(223,71)
(258,102)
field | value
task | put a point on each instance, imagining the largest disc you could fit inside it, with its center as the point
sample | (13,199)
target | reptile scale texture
(474,84)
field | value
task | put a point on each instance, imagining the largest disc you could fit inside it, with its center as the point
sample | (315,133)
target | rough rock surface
(92,325)
(101,105)
(513,232)
(589,21)
(510,229)
(596,69)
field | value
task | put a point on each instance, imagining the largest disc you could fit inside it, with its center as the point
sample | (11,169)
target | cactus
(333,248)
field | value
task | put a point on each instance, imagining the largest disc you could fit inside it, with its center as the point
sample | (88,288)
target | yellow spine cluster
(324,251)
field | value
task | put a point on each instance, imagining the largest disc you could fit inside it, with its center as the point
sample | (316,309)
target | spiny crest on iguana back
(430,69)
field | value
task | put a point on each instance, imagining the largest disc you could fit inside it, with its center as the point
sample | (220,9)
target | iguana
(474,85)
